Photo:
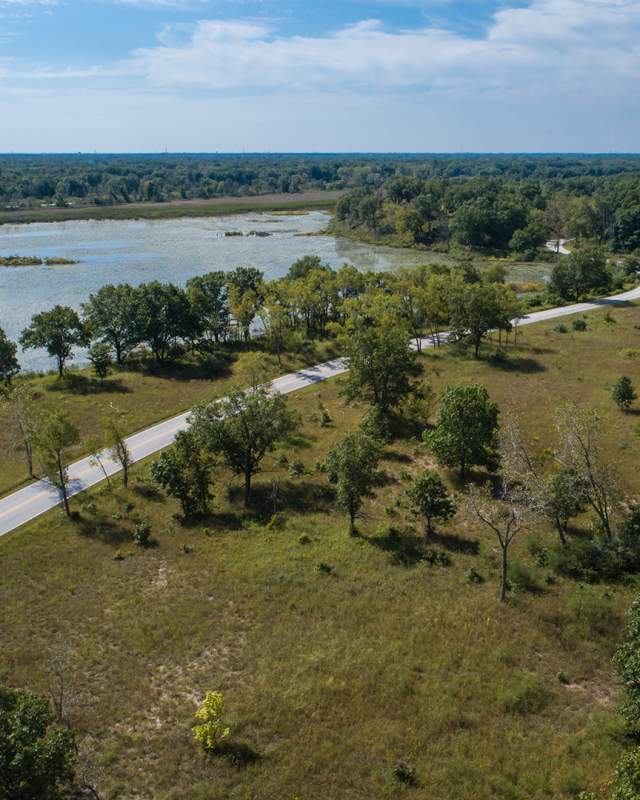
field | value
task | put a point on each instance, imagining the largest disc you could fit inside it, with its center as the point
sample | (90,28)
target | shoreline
(172,209)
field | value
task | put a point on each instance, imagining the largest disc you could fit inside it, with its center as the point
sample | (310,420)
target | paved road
(36,498)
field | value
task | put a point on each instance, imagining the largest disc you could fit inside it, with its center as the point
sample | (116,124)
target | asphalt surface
(24,505)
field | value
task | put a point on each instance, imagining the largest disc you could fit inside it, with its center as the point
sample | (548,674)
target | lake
(134,251)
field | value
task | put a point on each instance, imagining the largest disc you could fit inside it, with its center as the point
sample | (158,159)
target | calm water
(134,251)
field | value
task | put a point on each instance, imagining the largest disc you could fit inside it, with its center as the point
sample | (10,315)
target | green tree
(243,427)
(623,393)
(430,498)
(163,317)
(100,358)
(36,755)
(351,466)
(627,661)
(21,403)
(9,365)
(184,472)
(626,778)
(381,366)
(465,433)
(55,435)
(209,302)
(246,295)
(475,309)
(58,331)
(112,317)
(580,272)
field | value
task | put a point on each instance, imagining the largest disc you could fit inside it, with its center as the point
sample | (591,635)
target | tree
(430,498)
(465,433)
(207,295)
(21,402)
(246,295)
(58,331)
(184,471)
(626,778)
(559,497)
(627,661)
(475,309)
(100,358)
(276,321)
(381,366)
(56,434)
(580,272)
(112,317)
(243,427)
(351,466)
(164,316)
(580,450)
(208,728)
(116,443)
(504,514)
(36,756)
(9,365)
(623,393)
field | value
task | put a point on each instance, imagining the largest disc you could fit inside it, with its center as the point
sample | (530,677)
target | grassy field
(215,207)
(332,677)
(143,392)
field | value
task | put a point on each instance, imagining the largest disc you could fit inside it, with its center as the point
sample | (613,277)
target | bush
(296,468)
(141,534)
(208,728)
(593,560)
(436,558)
(376,425)
(522,579)
(592,609)
(560,328)
(527,694)
(626,778)
(403,773)
(324,569)
(579,324)
(473,576)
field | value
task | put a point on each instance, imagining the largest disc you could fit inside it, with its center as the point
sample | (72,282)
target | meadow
(340,658)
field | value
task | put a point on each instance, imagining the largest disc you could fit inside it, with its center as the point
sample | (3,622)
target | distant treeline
(502,213)
(31,180)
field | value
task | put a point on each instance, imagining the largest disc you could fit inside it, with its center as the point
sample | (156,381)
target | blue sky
(387,75)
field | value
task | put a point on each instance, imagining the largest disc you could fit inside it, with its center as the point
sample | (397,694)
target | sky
(319,75)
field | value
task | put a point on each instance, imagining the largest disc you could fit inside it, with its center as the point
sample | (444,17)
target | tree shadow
(213,365)
(239,753)
(304,497)
(455,543)
(102,529)
(405,547)
(76,383)
(516,364)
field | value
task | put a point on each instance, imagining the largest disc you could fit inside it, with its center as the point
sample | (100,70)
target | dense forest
(435,185)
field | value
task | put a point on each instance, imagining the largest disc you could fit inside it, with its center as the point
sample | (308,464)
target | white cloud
(550,43)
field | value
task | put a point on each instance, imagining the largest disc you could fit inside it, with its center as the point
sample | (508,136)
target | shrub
(592,609)
(626,778)
(436,558)
(208,727)
(376,425)
(560,328)
(473,576)
(579,324)
(521,578)
(296,468)
(141,534)
(403,773)
(304,539)
(527,694)
(325,418)
(325,569)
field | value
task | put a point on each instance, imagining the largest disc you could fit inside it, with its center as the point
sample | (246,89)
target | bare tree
(503,511)
(580,449)
(558,496)
(116,442)
(20,401)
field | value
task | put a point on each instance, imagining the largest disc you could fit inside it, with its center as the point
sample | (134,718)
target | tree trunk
(63,485)
(503,576)
(429,527)
(125,472)
(352,522)
(247,486)
(60,366)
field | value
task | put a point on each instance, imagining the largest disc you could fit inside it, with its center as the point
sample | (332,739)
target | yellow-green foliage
(209,729)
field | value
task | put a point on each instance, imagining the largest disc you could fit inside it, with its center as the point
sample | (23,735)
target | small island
(33,261)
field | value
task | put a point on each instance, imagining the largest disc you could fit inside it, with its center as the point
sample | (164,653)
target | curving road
(36,498)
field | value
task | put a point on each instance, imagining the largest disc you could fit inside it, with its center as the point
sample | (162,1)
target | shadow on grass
(300,496)
(404,547)
(238,753)
(455,543)
(82,384)
(102,529)
(516,364)
(214,365)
